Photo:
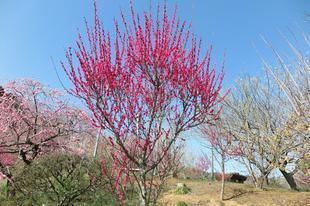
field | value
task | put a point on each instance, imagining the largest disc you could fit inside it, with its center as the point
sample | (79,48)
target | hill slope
(206,193)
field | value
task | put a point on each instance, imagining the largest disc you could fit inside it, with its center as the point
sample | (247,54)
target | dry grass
(207,193)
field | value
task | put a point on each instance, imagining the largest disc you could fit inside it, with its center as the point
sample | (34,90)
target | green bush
(222,204)
(3,190)
(181,203)
(4,201)
(63,179)
(182,190)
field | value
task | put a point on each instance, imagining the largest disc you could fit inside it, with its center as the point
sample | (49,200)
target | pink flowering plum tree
(34,120)
(144,86)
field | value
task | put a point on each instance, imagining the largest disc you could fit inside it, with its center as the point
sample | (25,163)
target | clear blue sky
(34,30)
(31,31)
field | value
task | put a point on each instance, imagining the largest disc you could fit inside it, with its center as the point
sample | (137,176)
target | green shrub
(3,190)
(63,179)
(181,203)
(182,190)
(222,204)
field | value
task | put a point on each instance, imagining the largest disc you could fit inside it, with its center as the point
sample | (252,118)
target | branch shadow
(238,193)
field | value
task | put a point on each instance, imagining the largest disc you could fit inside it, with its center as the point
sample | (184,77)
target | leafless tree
(292,75)
(260,118)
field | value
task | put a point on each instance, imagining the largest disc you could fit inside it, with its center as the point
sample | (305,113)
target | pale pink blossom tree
(35,120)
(203,164)
(144,87)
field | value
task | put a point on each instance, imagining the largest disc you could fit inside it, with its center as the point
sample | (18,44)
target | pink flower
(203,163)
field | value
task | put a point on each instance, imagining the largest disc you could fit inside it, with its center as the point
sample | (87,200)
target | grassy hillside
(207,193)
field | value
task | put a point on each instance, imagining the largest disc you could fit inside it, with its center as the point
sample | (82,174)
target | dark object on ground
(231,177)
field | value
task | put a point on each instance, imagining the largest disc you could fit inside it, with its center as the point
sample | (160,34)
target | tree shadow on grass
(239,193)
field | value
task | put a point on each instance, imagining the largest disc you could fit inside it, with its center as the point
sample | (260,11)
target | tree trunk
(223,179)
(290,179)
(212,165)
(143,200)
(267,180)
(143,192)
(175,174)
(10,192)
(263,180)
(251,172)
(97,143)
